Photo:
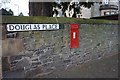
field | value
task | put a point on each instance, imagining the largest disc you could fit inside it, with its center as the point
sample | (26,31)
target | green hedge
(41,19)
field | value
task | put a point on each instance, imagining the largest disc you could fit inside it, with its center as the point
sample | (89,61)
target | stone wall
(48,51)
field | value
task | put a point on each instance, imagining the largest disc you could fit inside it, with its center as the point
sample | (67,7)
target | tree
(46,8)
(21,14)
(40,8)
(5,12)
(11,12)
(4,2)
(68,6)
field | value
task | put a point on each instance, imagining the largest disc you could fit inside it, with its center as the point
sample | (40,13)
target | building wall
(48,51)
(40,9)
(85,12)
(109,10)
(95,10)
(36,9)
(114,2)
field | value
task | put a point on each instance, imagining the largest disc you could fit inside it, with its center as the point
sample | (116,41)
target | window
(113,12)
(105,1)
(110,12)
(107,13)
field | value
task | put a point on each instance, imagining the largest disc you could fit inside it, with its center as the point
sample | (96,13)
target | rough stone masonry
(48,51)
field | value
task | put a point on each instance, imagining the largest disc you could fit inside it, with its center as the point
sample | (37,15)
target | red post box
(73,35)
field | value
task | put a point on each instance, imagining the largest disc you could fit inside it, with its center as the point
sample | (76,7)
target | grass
(41,19)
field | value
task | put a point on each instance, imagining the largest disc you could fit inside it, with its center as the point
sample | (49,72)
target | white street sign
(29,27)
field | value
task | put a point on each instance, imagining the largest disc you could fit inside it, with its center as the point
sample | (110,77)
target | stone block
(33,72)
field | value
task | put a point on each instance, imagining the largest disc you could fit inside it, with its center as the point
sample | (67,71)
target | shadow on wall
(11,46)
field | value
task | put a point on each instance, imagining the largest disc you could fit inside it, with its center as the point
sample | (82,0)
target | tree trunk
(40,9)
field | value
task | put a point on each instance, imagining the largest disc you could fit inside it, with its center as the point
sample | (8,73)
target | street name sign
(30,27)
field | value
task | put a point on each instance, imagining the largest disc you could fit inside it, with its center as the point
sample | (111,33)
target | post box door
(73,35)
